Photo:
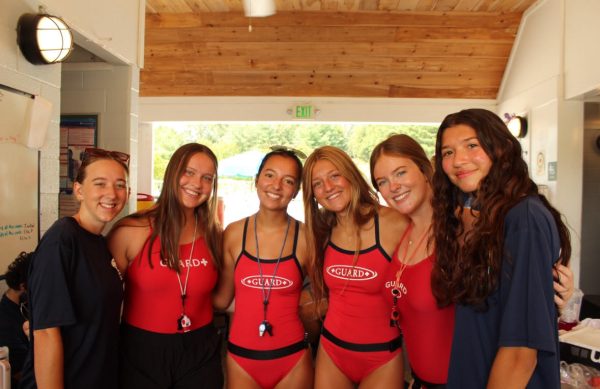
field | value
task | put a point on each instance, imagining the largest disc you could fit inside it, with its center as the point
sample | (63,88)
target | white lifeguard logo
(352,273)
(259,282)
(194,262)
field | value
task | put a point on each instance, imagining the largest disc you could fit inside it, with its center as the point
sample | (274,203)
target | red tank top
(357,311)
(427,329)
(152,295)
(282,312)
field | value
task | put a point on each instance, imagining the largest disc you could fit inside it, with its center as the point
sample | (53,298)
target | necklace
(265,326)
(184,323)
(406,259)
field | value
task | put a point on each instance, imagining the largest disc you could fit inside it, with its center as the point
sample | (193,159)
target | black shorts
(149,360)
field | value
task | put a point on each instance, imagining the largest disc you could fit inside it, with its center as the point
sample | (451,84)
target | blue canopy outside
(243,165)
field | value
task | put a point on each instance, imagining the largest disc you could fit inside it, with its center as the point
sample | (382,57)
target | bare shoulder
(234,230)
(302,248)
(127,238)
(389,218)
(232,238)
(392,225)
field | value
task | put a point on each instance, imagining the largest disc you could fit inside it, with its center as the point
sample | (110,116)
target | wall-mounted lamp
(517,125)
(44,39)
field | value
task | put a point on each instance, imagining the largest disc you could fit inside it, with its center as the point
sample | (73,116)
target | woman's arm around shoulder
(232,246)
(126,239)
(392,225)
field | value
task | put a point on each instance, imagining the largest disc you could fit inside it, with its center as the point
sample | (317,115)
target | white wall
(111,92)
(582,57)
(534,84)
(111,28)
(116,26)
(17,73)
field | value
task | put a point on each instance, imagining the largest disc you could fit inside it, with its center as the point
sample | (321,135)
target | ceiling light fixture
(44,39)
(258,9)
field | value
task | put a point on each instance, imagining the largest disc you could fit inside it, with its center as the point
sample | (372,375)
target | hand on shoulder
(127,238)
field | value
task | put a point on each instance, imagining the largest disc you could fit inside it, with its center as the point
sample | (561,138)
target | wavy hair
(319,221)
(468,264)
(167,216)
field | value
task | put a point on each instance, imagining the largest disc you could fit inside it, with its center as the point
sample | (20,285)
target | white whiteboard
(19,181)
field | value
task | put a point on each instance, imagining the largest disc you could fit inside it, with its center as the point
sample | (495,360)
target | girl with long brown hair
(169,255)
(499,270)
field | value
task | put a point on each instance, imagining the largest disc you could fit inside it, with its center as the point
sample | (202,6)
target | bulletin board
(77,132)
(19,180)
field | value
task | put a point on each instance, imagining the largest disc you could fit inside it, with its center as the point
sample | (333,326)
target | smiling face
(464,161)
(102,194)
(401,183)
(331,190)
(278,182)
(196,182)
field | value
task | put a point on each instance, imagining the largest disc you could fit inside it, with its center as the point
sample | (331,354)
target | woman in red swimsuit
(264,265)
(351,238)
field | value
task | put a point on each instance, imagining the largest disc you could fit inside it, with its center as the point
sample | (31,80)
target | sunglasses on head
(292,150)
(96,152)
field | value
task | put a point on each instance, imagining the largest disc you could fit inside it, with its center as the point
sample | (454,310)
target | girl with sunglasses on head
(499,270)
(264,263)
(169,257)
(74,291)
(402,173)
(351,238)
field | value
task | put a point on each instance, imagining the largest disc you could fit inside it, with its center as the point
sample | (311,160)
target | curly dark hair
(468,264)
(16,274)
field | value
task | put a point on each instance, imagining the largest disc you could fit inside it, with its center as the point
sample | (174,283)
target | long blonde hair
(319,222)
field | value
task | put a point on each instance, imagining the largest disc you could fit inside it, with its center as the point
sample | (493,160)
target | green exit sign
(303,111)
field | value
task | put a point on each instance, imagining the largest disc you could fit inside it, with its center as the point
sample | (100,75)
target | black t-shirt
(72,285)
(521,311)
(12,335)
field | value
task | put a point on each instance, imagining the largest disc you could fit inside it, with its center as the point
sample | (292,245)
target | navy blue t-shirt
(73,286)
(521,311)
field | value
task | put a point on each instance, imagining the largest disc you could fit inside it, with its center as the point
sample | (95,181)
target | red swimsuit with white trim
(270,357)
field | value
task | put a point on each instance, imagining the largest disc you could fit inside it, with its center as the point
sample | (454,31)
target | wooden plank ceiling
(353,48)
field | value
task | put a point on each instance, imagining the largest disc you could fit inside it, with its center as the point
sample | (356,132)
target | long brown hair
(468,264)
(319,221)
(167,216)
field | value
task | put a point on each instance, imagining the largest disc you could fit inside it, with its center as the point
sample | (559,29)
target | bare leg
(301,376)
(390,375)
(327,374)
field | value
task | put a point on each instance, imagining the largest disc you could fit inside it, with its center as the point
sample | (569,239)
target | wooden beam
(322,18)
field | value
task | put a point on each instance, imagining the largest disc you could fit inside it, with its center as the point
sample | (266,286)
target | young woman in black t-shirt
(75,292)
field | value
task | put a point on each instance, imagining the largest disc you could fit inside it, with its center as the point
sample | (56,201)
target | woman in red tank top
(169,257)
(351,238)
(264,263)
